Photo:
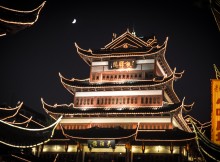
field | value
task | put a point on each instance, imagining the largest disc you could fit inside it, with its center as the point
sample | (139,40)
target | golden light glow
(215,115)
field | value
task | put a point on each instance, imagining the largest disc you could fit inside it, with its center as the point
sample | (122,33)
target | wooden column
(113,157)
(171,151)
(128,152)
(143,147)
(79,152)
(181,153)
(187,152)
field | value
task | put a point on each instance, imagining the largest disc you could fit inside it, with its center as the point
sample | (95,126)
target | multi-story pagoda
(127,110)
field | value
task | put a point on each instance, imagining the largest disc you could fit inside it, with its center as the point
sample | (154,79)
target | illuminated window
(154,100)
(142,100)
(98,101)
(158,100)
(123,100)
(150,101)
(128,100)
(113,101)
(146,100)
(120,100)
(77,101)
(140,75)
(135,100)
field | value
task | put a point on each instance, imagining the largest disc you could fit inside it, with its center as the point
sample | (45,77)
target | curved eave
(99,133)
(70,85)
(12,135)
(6,113)
(179,75)
(71,110)
(208,149)
(185,107)
(187,118)
(12,21)
(174,135)
(48,108)
(87,55)
(25,123)
(20,17)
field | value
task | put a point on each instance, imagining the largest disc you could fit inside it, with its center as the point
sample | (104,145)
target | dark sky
(32,58)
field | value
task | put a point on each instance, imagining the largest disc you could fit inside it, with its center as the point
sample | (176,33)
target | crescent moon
(74,21)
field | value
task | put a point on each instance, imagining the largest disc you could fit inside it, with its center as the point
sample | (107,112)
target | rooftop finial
(217,72)
(133,32)
(114,35)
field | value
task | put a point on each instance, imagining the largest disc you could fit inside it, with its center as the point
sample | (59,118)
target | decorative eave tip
(78,48)
(178,75)
(187,108)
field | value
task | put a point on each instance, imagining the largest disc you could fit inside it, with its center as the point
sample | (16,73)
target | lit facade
(126,110)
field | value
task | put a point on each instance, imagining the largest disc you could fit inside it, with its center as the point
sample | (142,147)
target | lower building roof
(164,135)
(16,136)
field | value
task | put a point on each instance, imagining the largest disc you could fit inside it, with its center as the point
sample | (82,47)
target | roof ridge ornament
(114,36)
(217,72)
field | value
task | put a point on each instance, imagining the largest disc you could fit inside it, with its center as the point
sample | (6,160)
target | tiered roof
(12,20)
(99,133)
(157,83)
(118,133)
(174,135)
(71,110)
(127,45)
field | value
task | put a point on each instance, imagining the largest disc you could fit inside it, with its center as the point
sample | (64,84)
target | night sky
(32,58)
